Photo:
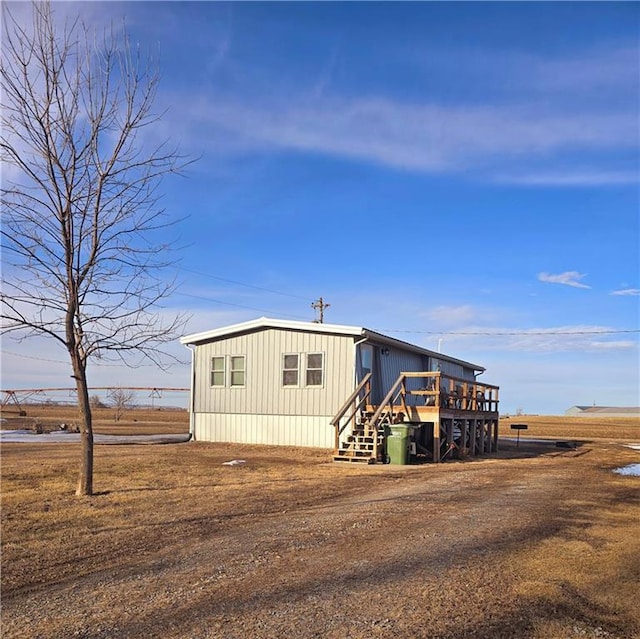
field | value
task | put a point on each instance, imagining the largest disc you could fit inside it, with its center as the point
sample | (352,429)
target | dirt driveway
(538,546)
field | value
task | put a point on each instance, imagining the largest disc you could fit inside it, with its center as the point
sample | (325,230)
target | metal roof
(314,327)
(620,410)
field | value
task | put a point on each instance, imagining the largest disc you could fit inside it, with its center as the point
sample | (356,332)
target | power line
(39,359)
(251,308)
(67,363)
(258,288)
(509,333)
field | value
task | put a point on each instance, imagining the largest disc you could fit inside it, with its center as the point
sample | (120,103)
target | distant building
(603,411)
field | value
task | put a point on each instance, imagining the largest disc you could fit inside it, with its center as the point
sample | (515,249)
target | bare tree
(95,402)
(83,264)
(121,399)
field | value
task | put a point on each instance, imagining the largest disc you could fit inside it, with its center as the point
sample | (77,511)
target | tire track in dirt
(263,562)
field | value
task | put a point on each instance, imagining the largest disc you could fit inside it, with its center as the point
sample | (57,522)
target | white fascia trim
(265,322)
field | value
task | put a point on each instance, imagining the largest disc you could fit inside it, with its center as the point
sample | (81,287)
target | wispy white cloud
(613,345)
(325,77)
(452,315)
(595,71)
(417,136)
(568,278)
(536,113)
(598,69)
(626,291)
(562,178)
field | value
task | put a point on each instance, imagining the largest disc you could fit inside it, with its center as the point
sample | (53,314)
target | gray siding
(389,362)
(263,393)
(451,368)
(275,430)
(393,362)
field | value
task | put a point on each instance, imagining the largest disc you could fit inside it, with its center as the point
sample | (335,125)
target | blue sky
(463,172)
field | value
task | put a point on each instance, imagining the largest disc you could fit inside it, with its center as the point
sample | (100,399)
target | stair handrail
(388,399)
(335,422)
(345,407)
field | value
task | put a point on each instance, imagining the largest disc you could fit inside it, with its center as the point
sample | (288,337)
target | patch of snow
(234,462)
(631,470)
(634,446)
(528,440)
(60,436)
(29,437)
(19,431)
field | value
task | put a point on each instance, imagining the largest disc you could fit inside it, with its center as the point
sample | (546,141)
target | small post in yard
(518,427)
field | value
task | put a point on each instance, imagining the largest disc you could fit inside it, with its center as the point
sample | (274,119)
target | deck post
(483,437)
(473,436)
(489,442)
(449,432)
(463,434)
(436,439)
(495,435)
(492,425)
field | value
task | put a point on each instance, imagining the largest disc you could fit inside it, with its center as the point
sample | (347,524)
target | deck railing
(446,391)
(437,391)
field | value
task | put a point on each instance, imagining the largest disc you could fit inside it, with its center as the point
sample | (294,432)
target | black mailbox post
(519,427)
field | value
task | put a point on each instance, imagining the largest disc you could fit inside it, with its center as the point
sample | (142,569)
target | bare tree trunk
(85,478)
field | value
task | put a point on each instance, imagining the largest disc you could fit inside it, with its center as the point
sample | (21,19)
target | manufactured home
(279,382)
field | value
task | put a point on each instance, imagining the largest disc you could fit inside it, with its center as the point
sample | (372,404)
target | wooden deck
(450,417)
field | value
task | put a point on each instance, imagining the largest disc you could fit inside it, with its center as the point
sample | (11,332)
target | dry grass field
(139,421)
(537,542)
(577,428)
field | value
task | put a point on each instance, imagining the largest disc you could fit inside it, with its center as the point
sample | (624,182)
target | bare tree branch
(82,233)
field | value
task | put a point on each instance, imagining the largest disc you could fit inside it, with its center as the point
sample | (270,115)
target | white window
(237,370)
(315,369)
(217,371)
(291,369)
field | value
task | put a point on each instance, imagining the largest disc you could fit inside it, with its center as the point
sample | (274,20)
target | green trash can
(398,444)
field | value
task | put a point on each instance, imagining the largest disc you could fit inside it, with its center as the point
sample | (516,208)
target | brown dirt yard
(536,542)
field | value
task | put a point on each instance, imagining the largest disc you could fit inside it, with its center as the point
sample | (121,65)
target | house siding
(394,361)
(275,430)
(263,393)
(452,369)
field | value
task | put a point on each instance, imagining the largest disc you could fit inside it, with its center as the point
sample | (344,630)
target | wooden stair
(360,446)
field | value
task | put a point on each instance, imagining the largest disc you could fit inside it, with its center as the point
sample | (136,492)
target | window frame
(309,369)
(235,370)
(223,371)
(284,370)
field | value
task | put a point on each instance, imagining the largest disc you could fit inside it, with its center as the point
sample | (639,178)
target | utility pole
(320,305)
